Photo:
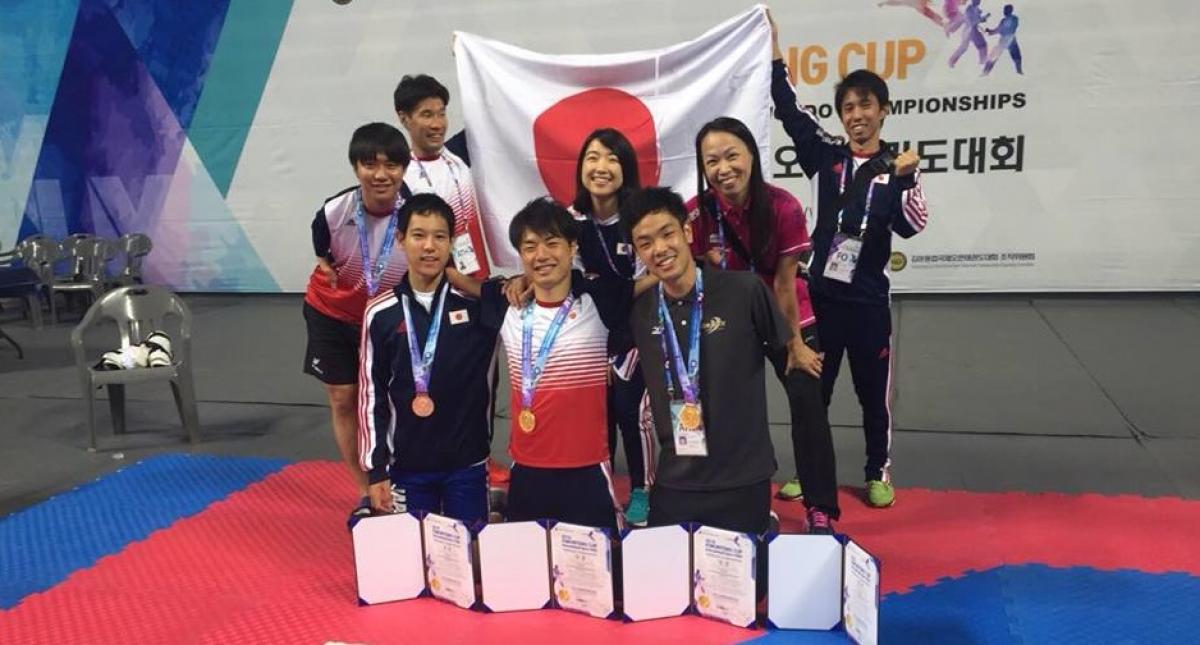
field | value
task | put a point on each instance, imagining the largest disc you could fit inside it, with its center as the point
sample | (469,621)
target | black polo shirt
(457,434)
(741,323)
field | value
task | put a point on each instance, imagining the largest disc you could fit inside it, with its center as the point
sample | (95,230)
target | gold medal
(689,416)
(526,420)
(422,405)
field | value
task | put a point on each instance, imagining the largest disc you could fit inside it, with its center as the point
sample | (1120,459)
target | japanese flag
(527,114)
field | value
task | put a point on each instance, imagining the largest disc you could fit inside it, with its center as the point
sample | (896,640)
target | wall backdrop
(218,127)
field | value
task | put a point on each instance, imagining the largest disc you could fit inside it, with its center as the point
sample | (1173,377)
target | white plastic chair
(138,311)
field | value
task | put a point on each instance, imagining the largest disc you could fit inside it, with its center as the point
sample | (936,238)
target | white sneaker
(158,349)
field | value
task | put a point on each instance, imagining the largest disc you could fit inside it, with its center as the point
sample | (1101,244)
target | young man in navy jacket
(424,391)
(863,193)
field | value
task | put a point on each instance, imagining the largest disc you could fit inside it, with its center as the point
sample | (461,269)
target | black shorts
(332,352)
(576,495)
(746,509)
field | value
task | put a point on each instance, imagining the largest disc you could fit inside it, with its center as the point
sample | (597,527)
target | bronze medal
(689,416)
(526,420)
(422,405)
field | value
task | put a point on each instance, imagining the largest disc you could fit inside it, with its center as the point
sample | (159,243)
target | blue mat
(42,545)
(1035,603)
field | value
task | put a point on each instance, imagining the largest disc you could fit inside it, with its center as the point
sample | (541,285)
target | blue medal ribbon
(423,366)
(373,271)
(689,377)
(531,368)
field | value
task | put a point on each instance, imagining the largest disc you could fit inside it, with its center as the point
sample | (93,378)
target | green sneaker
(638,509)
(790,491)
(880,494)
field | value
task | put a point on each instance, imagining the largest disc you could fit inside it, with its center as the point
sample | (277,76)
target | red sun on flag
(559,131)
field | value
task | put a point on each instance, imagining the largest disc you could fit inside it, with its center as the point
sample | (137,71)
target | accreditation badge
(687,426)
(465,259)
(843,258)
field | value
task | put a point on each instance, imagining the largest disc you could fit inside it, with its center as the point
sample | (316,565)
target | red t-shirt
(789,236)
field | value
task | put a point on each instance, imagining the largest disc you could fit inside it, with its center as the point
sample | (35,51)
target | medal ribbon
(689,377)
(531,369)
(373,271)
(423,366)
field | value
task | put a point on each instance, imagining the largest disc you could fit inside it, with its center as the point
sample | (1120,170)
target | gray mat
(1179,459)
(1145,353)
(993,365)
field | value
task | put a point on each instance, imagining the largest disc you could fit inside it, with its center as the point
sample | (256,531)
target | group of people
(637,315)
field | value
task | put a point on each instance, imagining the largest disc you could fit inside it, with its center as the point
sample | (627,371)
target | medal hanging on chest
(421,359)
(687,416)
(532,367)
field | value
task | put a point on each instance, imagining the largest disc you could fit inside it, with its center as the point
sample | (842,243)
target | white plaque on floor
(448,566)
(804,582)
(581,569)
(655,572)
(514,566)
(387,558)
(723,575)
(860,588)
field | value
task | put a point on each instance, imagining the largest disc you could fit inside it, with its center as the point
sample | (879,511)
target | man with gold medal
(557,349)
(704,335)
(425,396)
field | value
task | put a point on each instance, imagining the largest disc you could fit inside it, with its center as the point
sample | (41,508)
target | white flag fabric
(527,114)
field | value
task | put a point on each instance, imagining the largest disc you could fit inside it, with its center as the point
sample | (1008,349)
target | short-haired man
(704,336)
(353,237)
(557,349)
(863,193)
(420,102)
(425,392)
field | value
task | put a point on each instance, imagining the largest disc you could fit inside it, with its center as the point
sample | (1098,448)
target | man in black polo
(714,328)
(424,397)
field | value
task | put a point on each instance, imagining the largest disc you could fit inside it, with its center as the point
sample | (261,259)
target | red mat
(272,563)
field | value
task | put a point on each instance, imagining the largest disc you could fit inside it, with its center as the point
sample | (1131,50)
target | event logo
(889,59)
(969,24)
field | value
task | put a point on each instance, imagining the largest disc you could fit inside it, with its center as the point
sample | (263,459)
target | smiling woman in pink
(740,222)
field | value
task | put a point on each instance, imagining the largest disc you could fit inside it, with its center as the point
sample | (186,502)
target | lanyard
(372,271)
(866,217)
(689,377)
(453,177)
(721,233)
(422,367)
(604,247)
(531,369)
(722,222)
